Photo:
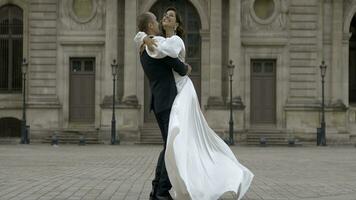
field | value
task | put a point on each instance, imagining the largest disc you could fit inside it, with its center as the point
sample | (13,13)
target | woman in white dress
(199,163)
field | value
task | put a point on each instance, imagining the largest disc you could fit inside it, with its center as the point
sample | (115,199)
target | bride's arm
(139,38)
(142,38)
(171,46)
(164,47)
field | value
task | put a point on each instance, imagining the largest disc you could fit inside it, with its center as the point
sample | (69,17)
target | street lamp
(321,140)
(24,131)
(231,67)
(114,67)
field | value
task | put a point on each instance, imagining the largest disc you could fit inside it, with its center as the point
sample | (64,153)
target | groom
(164,91)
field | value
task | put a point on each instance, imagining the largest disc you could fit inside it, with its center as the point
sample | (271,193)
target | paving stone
(124,172)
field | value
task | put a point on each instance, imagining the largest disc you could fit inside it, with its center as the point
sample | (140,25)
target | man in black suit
(164,91)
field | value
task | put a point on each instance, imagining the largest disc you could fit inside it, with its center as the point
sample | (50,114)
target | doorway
(82,90)
(263,92)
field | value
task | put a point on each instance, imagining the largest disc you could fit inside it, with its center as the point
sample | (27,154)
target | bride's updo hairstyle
(180,30)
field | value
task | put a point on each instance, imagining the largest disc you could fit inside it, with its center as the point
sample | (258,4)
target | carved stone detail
(348,5)
(276,22)
(93,21)
(348,13)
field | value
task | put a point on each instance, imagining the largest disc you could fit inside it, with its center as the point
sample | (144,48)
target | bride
(200,165)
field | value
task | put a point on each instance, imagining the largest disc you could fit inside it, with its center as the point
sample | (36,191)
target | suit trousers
(161,184)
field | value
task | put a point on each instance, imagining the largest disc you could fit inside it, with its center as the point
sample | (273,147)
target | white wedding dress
(200,165)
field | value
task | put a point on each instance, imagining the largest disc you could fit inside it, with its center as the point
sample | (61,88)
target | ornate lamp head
(231,67)
(24,66)
(323,68)
(114,67)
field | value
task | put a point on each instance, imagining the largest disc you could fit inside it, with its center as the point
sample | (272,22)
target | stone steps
(73,136)
(353,139)
(10,140)
(150,134)
(271,137)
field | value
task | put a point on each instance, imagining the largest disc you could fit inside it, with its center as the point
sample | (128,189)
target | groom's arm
(177,65)
(142,39)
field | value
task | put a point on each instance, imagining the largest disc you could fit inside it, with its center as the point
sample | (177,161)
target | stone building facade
(277,47)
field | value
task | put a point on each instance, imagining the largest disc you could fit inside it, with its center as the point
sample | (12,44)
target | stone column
(215,87)
(335,69)
(205,48)
(345,64)
(111,47)
(130,56)
(235,47)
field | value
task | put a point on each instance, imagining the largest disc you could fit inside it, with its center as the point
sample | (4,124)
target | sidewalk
(124,172)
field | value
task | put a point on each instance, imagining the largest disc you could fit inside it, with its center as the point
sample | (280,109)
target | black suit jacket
(161,78)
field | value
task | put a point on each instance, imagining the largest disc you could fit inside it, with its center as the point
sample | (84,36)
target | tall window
(11,29)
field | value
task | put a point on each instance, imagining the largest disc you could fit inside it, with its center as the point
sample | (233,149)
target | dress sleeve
(139,38)
(171,46)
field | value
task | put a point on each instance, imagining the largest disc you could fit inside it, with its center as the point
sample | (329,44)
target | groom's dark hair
(143,20)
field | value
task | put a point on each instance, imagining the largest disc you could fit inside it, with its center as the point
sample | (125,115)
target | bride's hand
(150,42)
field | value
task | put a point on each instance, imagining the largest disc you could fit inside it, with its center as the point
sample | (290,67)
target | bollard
(263,141)
(27,135)
(82,140)
(318,136)
(291,141)
(54,139)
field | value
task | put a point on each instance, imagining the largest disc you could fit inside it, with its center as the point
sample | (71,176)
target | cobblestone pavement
(124,172)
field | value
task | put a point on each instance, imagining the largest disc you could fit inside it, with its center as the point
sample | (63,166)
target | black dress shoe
(164,197)
(153,190)
(152,198)
(152,195)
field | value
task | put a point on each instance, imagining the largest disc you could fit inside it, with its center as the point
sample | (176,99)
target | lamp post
(322,140)
(114,67)
(24,136)
(231,67)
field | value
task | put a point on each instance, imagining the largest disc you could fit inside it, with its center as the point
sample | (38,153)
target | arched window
(11,36)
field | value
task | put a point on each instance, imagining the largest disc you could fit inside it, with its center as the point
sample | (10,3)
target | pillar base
(236,103)
(215,101)
(130,100)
